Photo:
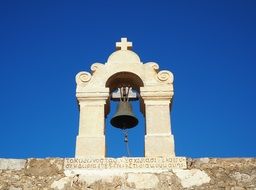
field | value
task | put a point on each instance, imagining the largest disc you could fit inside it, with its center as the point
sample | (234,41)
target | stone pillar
(91,138)
(159,140)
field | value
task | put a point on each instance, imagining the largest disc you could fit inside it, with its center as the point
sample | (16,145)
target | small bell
(124,117)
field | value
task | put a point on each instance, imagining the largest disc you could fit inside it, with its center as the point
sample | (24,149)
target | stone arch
(124,78)
(93,94)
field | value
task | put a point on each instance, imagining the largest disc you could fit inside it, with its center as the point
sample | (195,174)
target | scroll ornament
(154,65)
(165,76)
(96,66)
(83,78)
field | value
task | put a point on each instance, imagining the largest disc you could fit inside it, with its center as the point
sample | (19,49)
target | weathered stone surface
(201,174)
(12,164)
(44,167)
(15,188)
(143,181)
(193,177)
(61,183)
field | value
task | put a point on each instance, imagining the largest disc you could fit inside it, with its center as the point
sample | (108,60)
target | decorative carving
(124,163)
(165,76)
(83,77)
(154,65)
(96,66)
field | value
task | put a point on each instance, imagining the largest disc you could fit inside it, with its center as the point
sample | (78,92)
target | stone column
(91,138)
(159,140)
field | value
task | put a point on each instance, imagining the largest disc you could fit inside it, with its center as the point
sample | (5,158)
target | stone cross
(124,44)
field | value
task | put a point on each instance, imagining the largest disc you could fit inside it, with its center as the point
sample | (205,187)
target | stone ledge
(12,164)
(203,173)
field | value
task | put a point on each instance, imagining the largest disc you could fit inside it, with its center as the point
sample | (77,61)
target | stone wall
(205,173)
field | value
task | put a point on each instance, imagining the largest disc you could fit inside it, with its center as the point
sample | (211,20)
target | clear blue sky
(210,46)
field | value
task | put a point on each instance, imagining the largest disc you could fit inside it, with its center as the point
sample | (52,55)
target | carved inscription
(125,163)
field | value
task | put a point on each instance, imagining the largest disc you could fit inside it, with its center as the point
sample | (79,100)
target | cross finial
(124,44)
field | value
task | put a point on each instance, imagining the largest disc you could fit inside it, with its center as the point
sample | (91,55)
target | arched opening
(124,79)
(115,137)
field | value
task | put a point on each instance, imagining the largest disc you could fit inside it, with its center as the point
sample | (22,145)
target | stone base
(159,145)
(90,147)
(201,174)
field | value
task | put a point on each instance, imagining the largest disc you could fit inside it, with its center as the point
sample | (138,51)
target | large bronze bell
(124,117)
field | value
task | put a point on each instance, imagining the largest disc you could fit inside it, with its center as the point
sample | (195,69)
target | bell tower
(124,78)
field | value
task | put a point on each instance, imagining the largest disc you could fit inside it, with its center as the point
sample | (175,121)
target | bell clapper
(125,132)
